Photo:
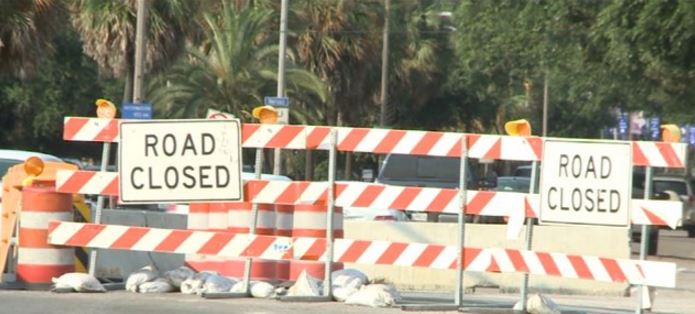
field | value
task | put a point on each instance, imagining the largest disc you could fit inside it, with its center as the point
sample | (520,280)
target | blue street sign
(278,102)
(691,135)
(655,128)
(685,134)
(141,111)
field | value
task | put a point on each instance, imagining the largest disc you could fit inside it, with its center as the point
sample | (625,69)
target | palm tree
(233,69)
(107,29)
(420,55)
(335,40)
(26,31)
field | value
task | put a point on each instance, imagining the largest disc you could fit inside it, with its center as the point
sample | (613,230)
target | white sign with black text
(586,182)
(174,161)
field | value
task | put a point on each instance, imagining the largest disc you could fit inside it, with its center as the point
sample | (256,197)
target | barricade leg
(642,292)
(529,236)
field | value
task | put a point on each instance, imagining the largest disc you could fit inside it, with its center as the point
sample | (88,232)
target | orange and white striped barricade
(38,261)
(239,218)
(657,274)
(310,221)
(284,216)
(425,143)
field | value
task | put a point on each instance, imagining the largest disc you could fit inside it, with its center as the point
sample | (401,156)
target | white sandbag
(195,284)
(217,284)
(159,285)
(341,294)
(305,286)
(538,304)
(145,274)
(238,287)
(261,289)
(177,276)
(349,278)
(79,282)
(376,295)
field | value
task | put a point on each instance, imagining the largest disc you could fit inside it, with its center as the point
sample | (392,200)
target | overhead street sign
(176,161)
(278,102)
(586,182)
(141,111)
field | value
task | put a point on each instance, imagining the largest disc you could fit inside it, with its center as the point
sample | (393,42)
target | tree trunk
(348,165)
(128,88)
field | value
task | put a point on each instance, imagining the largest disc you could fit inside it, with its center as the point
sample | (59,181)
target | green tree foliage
(26,31)
(65,83)
(107,30)
(650,46)
(234,68)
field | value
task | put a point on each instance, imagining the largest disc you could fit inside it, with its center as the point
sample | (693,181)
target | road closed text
(586,182)
(188,176)
(589,198)
(180,161)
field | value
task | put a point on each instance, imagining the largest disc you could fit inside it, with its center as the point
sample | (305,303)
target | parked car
(513,184)
(671,182)
(420,171)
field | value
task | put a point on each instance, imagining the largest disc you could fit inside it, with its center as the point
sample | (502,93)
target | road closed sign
(585,182)
(180,161)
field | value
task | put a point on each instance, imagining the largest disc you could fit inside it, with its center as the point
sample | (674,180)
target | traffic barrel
(283,228)
(38,262)
(310,221)
(239,221)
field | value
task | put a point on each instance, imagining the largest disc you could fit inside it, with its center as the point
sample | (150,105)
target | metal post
(277,160)
(385,63)
(644,241)
(140,42)
(545,105)
(460,239)
(529,235)
(327,282)
(254,220)
(100,205)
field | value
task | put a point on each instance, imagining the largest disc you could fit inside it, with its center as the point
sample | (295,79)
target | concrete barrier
(118,264)
(582,240)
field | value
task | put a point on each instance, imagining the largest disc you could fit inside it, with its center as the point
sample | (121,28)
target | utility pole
(277,161)
(385,63)
(140,42)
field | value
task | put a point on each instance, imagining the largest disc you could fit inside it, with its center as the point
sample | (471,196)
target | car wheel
(653,242)
(691,231)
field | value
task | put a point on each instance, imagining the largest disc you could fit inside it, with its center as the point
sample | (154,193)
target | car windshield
(675,186)
(5,164)
(513,184)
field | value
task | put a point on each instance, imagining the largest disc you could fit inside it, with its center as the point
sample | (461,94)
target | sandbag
(375,295)
(538,304)
(159,285)
(217,284)
(145,274)
(349,278)
(177,276)
(195,284)
(79,282)
(261,289)
(305,286)
(341,294)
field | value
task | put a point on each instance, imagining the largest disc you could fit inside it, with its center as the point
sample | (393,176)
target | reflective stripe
(39,220)
(46,256)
